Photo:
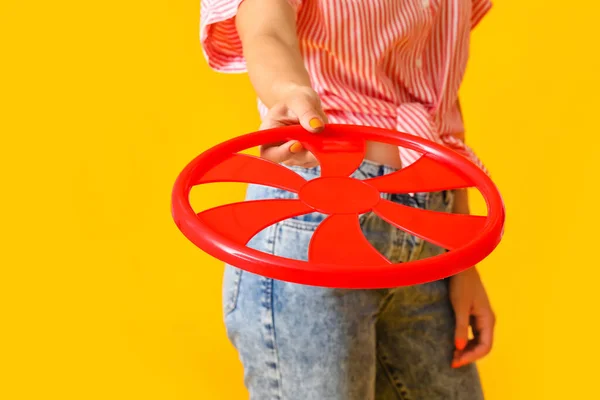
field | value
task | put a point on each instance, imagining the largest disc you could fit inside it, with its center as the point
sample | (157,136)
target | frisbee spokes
(450,231)
(424,175)
(339,240)
(338,156)
(250,169)
(241,221)
(339,255)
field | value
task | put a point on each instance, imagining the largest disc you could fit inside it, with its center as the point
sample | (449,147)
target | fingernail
(456,364)
(296,147)
(460,344)
(315,123)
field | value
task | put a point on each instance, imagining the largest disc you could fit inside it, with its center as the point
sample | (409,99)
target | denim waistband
(367,169)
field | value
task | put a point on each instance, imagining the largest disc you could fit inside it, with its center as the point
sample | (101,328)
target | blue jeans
(300,342)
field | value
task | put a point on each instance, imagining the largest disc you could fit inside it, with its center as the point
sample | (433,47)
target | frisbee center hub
(339,195)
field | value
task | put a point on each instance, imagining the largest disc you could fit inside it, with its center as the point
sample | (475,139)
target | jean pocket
(232,277)
(306,173)
(293,236)
(305,222)
(440,201)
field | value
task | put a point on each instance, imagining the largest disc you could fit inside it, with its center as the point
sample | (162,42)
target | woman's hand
(471,308)
(300,105)
(267,29)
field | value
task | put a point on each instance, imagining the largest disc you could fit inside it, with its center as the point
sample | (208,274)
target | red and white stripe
(385,63)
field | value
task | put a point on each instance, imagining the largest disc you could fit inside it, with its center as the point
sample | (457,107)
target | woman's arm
(461,202)
(470,303)
(461,196)
(267,29)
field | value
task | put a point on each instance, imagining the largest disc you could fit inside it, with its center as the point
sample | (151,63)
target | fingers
(461,332)
(280,153)
(306,107)
(462,314)
(304,159)
(301,106)
(289,153)
(481,345)
(279,115)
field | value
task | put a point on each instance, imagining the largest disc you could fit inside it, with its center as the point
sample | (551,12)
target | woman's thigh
(298,341)
(303,342)
(415,331)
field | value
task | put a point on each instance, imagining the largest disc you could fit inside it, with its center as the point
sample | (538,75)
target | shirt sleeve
(479,9)
(219,39)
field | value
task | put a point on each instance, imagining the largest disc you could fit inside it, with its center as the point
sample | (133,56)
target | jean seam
(301,225)
(233,292)
(390,376)
(268,324)
(417,249)
(385,301)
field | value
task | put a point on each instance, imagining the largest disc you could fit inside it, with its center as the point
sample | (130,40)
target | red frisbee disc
(339,255)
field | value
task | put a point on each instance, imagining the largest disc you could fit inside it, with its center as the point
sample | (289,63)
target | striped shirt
(395,64)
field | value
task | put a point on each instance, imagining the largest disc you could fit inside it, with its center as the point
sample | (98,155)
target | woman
(394,64)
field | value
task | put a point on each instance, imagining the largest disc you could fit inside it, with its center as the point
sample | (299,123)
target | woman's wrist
(461,202)
(461,206)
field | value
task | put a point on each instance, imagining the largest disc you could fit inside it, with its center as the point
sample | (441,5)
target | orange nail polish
(456,364)
(460,344)
(296,147)
(315,123)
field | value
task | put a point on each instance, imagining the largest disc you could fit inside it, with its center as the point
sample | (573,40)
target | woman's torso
(369,59)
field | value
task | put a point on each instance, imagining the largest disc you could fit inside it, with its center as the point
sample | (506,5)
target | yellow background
(103,103)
